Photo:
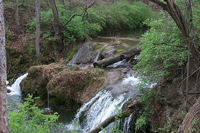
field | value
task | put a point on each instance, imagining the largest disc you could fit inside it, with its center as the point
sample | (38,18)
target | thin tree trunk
(62,2)
(4,128)
(55,16)
(37,41)
(57,24)
(17,15)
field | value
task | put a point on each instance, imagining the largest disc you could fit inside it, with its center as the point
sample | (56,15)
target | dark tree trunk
(57,28)
(4,128)
(183,23)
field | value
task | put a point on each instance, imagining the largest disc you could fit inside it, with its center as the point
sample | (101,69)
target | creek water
(103,105)
(118,34)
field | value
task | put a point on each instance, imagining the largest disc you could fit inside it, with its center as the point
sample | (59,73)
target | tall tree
(56,24)
(4,128)
(183,22)
(185,25)
(37,40)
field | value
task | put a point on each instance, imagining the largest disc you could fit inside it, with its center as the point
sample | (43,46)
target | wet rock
(85,54)
(8,90)
(108,52)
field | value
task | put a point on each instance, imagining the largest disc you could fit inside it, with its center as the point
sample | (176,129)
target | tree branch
(81,15)
(169,45)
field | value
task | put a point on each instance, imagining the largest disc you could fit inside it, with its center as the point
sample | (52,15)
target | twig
(189,76)
(169,45)
(81,15)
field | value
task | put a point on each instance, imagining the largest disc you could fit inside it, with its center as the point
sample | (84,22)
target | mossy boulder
(61,81)
(38,78)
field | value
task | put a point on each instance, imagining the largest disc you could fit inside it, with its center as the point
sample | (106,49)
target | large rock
(63,82)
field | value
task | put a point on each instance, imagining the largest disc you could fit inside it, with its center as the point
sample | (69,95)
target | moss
(118,51)
(98,45)
(104,49)
(100,81)
(71,54)
(63,82)
(56,100)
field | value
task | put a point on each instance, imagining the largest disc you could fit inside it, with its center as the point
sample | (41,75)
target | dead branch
(81,15)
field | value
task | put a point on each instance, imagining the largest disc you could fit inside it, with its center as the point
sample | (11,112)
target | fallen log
(113,59)
(111,119)
(127,113)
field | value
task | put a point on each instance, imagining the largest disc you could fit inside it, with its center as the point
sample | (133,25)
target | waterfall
(97,57)
(15,87)
(103,105)
(98,53)
(14,96)
(73,61)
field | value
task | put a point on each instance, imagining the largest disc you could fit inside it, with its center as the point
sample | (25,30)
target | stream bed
(104,104)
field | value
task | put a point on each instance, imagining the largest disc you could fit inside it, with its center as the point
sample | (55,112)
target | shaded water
(102,105)
(127,33)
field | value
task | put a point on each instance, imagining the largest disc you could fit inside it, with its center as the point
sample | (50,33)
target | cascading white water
(73,61)
(103,105)
(14,97)
(15,87)
(98,52)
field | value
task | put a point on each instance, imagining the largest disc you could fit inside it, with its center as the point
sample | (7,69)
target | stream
(103,105)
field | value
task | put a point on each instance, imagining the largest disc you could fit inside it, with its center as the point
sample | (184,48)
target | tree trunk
(57,25)
(37,40)
(191,122)
(183,23)
(62,2)
(113,59)
(3,91)
(17,15)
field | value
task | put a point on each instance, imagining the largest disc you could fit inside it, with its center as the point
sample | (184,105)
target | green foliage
(100,16)
(114,128)
(75,126)
(164,129)
(141,121)
(71,54)
(196,19)
(162,49)
(29,118)
(125,15)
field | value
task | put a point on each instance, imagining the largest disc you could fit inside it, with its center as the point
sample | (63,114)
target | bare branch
(81,15)
(170,45)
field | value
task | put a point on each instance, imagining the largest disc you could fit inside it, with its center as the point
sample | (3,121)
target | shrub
(28,118)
